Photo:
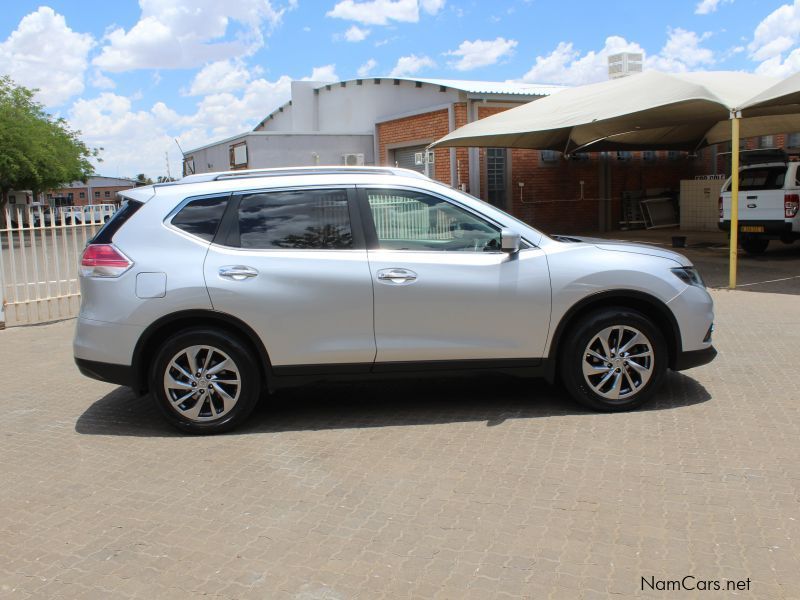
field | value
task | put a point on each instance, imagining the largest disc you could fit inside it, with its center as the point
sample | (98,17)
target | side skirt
(294,375)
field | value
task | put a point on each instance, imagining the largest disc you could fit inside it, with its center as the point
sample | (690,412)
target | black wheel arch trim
(605,299)
(201,317)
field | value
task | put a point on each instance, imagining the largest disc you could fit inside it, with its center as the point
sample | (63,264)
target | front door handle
(237,272)
(397,276)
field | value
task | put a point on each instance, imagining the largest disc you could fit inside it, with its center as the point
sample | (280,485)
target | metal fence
(39,255)
(401,217)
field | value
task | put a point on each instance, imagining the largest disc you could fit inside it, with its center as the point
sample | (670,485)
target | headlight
(689,276)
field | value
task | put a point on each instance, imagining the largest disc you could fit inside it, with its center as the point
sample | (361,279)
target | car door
(444,291)
(292,264)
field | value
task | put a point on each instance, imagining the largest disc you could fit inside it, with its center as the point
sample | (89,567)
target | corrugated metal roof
(492,87)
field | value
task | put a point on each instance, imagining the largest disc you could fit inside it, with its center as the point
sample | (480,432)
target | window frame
(232,156)
(371,234)
(230,219)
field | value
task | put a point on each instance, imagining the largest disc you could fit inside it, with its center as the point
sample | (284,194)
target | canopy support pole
(734,241)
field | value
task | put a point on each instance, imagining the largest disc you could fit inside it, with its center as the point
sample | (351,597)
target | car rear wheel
(205,381)
(613,360)
(754,245)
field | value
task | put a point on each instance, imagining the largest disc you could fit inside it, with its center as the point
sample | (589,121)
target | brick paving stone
(487,488)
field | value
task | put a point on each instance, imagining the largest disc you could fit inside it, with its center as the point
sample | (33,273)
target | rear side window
(107,231)
(201,217)
(295,219)
(763,178)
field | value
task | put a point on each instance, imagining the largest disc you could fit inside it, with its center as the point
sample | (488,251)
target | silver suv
(210,291)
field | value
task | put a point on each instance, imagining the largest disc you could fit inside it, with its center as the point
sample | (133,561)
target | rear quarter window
(201,217)
(107,231)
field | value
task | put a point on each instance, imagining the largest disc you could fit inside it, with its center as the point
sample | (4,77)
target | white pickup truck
(769,201)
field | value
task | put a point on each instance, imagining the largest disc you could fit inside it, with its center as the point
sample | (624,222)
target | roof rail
(288,171)
(282,172)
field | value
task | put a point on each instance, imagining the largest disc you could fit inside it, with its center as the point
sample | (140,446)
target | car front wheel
(613,360)
(205,381)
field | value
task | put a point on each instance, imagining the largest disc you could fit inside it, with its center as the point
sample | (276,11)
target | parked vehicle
(769,200)
(209,291)
(91,213)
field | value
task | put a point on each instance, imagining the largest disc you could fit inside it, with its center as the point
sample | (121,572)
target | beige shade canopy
(647,111)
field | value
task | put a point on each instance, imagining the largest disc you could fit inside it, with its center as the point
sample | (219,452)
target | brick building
(96,190)
(390,121)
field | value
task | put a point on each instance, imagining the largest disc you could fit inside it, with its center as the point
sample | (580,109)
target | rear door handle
(397,276)
(237,272)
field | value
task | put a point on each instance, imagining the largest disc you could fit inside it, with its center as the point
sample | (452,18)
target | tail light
(104,260)
(720,207)
(791,204)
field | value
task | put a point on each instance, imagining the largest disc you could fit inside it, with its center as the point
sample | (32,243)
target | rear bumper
(775,227)
(107,372)
(694,358)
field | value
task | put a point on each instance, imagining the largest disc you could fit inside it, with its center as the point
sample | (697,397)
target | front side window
(410,220)
(295,220)
(201,217)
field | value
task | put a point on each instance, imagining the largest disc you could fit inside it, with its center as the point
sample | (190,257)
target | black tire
(574,354)
(754,245)
(224,343)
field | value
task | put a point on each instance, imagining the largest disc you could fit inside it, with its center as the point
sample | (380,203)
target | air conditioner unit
(353,160)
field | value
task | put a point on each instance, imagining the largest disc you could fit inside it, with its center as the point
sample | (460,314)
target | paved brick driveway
(491,489)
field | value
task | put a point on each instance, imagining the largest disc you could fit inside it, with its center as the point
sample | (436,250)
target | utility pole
(166,154)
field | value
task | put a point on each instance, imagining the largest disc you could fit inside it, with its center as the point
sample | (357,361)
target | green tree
(143,179)
(37,151)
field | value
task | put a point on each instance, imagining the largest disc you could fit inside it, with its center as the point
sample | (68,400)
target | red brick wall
(432,126)
(551,196)
(78,201)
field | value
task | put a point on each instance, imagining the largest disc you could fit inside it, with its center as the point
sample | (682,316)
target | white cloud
(102,82)
(777,34)
(367,67)
(356,34)
(135,140)
(187,33)
(566,65)
(682,51)
(381,12)
(481,53)
(324,73)
(220,76)
(432,6)
(409,65)
(43,52)
(705,7)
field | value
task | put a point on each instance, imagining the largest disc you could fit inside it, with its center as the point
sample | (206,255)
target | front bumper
(694,358)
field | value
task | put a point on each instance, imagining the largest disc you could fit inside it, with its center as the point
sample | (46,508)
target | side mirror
(509,241)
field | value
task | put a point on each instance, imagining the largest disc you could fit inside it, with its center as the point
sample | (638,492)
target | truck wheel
(754,245)
(613,360)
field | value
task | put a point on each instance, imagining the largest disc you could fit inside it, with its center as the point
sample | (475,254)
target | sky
(134,77)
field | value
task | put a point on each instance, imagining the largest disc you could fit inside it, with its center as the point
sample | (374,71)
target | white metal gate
(40,248)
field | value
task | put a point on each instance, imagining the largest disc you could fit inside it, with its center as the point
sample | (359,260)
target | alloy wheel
(618,362)
(202,383)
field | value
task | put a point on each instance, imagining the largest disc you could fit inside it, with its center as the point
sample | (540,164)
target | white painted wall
(265,150)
